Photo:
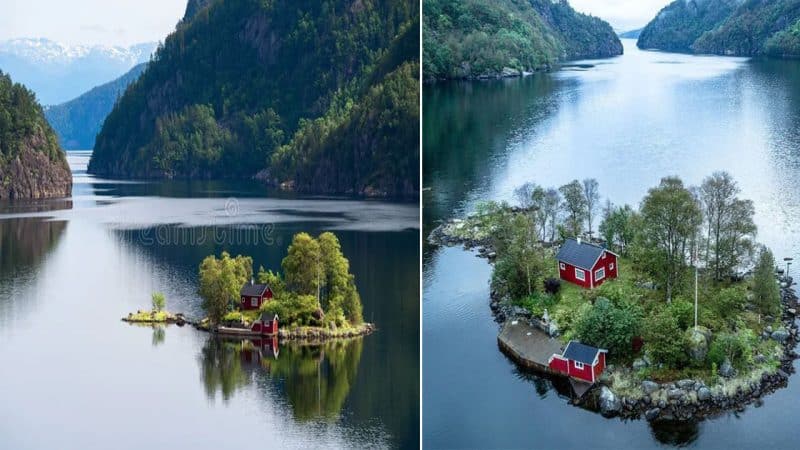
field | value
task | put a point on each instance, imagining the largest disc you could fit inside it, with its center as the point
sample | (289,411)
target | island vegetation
(480,38)
(314,296)
(32,165)
(314,96)
(726,27)
(645,318)
(157,314)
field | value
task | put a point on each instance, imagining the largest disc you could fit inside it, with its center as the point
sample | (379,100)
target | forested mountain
(487,38)
(726,27)
(31,163)
(78,121)
(314,95)
(58,72)
(631,34)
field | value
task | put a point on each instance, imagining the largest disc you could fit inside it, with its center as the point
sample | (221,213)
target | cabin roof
(251,290)
(581,352)
(268,317)
(583,255)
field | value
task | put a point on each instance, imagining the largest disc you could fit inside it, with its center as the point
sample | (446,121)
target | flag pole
(695,288)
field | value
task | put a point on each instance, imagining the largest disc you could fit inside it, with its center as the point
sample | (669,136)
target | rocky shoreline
(680,400)
(316,335)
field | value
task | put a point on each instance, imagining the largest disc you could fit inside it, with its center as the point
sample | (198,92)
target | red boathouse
(252,295)
(267,324)
(579,361)
(587,265)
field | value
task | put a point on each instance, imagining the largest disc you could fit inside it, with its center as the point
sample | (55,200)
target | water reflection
(316,378)
(675,433)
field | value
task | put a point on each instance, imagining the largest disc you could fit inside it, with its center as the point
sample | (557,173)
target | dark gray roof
(580,352)
(253,290)
(582,255)
(267,317)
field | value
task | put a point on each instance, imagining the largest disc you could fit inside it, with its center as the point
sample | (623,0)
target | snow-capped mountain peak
(43,50)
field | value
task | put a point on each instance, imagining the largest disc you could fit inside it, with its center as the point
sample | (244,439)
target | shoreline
(683,400)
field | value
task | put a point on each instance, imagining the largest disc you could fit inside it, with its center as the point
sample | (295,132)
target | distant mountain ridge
(726,27)
(631,34)
(59,72)
(491,38)
(78,121)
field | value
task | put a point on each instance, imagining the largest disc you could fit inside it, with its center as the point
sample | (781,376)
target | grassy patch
(148,316)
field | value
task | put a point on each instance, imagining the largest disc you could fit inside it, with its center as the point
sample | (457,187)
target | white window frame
(604,256)
(611,266)
(597,276)
(580,274)
(579,365)
(254,301)
(562,266)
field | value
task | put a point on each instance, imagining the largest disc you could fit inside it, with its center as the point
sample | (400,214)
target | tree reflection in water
(674,432)
(316,378)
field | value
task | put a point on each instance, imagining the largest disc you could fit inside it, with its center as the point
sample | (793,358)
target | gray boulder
(697,343)
(610,403)
(780,335)
(639,363)
(726,369)
(649,386)
(652,414)
(703,394)
(685,384)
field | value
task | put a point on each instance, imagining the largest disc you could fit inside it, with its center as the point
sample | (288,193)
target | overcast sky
(125,22)
(110,22)
(623,15)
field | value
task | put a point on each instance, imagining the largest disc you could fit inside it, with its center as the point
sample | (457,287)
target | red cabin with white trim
(252,295)
(266,325)
(587,265)
(580,361)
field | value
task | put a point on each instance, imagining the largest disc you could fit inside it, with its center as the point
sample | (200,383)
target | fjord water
(74,376)
(628,122)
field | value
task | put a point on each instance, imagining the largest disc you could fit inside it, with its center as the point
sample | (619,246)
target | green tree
(520,265)
(664,339)
(550,209)
(575,207)
(302,266)
(591,194)
(729,224)
(619,227)
(158,301)
(670,220)
(340,289)
(608,326)
(220,282)
(766,294)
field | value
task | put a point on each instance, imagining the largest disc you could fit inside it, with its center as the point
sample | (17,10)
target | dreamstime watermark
(223,230)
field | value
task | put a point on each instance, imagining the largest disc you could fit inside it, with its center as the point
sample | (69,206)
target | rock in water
(610,404)
(780,335)
(652,414)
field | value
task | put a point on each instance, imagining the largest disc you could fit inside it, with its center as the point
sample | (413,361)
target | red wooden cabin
(587,265)
(579,361)
(252,295)
(266,325)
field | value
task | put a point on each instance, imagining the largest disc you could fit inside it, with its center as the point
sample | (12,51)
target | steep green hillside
(483,38)
(682,22)
(238,80)
(747,31)
(31,163)
(78,121)
(726,27)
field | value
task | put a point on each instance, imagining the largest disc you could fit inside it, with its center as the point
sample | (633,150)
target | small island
(676,308)
(314,299)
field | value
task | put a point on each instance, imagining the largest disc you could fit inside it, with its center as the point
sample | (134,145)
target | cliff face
(682,22)
(31,163)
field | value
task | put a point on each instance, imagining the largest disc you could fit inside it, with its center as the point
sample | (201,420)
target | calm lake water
(74,376)
(628,122)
